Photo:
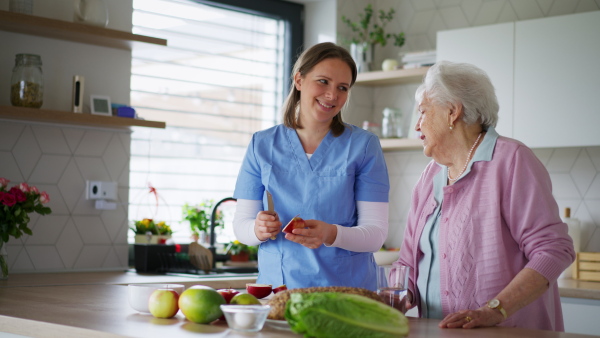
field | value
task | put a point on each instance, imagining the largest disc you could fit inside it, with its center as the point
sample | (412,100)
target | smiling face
(434,127)
(324,90)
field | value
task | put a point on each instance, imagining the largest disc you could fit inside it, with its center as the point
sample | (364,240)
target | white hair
(448,83)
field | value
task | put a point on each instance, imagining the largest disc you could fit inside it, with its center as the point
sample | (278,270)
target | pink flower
(18,194)
(34,190)
(44,198)
(8,199)
(24,187)
(3,182)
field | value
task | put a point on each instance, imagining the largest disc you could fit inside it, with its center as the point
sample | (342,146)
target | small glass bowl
(247,318)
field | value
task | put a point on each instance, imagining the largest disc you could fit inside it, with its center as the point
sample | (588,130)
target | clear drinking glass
(392,285)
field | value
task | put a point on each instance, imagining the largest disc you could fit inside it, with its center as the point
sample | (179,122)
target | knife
(270,206)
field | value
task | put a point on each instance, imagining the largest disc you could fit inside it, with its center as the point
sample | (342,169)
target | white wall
(59,159)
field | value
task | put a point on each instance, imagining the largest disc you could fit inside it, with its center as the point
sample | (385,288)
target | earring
(451,127)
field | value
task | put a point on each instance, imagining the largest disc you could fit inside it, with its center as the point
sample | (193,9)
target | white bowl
(139,294)
(386,257)
(246,318)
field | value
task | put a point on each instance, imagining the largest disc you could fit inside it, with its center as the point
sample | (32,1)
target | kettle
(91,12)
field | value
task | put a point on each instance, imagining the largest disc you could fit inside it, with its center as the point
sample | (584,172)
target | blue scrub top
(342,170)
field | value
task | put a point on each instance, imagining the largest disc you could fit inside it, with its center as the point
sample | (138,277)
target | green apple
(163,303)
(201,304)
(244,299)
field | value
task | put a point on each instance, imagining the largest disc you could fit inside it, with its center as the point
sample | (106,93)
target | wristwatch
(495,304)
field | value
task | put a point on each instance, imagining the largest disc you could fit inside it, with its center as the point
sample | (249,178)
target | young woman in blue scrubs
(331,173)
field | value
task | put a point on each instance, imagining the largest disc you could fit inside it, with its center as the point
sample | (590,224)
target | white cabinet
(581,315)
(557,81)
(546,73)
(490,48)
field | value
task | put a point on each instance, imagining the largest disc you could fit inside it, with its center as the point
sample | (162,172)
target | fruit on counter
(296,223)
(259,290)
(244,299)
(201,304)
(228,294)
(333,314)
(280,288)
(163,303)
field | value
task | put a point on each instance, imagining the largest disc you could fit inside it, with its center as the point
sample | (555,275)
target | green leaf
(330,314)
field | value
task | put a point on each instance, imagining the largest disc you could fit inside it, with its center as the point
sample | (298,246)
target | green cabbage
(331,314)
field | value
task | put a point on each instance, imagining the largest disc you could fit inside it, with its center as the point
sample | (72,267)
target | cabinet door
(557,81)
(490,48)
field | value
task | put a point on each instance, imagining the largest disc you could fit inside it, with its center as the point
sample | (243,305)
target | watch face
(494,303)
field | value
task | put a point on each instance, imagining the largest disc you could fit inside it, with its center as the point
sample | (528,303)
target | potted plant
(149,232)
(240,252)
(368,32)
(199,218)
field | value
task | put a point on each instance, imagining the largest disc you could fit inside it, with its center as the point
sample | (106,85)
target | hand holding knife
(271,207)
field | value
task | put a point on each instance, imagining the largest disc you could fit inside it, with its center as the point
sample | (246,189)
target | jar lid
(29,57)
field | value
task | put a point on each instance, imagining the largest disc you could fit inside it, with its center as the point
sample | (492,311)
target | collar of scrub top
(319,154)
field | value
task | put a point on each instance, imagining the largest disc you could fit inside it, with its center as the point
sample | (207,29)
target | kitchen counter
(95,305)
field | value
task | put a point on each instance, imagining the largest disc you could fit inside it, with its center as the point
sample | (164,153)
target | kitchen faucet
(213,217)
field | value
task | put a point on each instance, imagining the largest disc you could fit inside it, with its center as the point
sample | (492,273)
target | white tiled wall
(59,160)
(575,172)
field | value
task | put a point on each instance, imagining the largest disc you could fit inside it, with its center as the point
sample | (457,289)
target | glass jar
(27,82)
(391,125)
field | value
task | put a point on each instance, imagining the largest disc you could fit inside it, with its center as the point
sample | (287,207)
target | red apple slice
(296,223)
(259,290)
(280,288)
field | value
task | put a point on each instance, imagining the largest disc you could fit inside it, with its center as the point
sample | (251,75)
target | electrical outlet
(97,190)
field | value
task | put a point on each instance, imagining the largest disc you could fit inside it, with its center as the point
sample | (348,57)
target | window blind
(217,82)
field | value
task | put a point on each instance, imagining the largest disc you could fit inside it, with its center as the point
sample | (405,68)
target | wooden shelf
(391,77)
(70,31)
(391,144)
(64,117)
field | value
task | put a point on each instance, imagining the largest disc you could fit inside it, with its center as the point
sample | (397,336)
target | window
(222,77)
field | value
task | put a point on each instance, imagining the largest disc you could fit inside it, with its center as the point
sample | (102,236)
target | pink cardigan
(497,220)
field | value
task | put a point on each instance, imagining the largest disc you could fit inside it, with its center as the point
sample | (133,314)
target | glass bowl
(247,318)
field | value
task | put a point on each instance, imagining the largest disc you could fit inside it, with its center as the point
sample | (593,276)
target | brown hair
(305,63)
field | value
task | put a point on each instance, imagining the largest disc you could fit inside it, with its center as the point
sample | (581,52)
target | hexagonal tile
(22,262)
(583,172)
(73,137)
(69,244)
(9,168)
(71,185)
(44,257)
(49,169)
(51,140)
(92,231)
(92,257)
(93,143)
(114,221)
(26,152)
(47,230)
(115,158)
(9,134)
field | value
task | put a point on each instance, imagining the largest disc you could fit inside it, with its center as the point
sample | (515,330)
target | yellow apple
(163,303)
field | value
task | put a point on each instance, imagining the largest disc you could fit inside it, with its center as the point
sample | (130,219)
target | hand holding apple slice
(296,223)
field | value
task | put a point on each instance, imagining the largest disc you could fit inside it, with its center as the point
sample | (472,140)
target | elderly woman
(484,238)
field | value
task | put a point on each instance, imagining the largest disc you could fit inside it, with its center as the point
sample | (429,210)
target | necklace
(466,163)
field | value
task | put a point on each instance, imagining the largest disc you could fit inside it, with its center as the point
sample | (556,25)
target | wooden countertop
(95,305)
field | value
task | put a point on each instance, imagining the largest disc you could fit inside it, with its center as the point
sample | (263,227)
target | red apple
(163,303)
(280,288)
(259,290)
(228,294)
(296,223)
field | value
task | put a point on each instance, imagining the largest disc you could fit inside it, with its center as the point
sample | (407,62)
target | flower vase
(3,262)
(362,53)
